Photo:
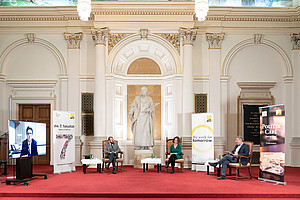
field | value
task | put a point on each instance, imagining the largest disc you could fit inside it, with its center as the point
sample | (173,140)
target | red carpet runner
(133,183)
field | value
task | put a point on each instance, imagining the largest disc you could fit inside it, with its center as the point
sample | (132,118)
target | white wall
(32,62)
(257,63)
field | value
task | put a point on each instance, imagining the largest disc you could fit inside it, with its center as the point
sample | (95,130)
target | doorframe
(14,103)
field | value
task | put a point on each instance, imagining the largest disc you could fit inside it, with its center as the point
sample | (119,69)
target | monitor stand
(23,171)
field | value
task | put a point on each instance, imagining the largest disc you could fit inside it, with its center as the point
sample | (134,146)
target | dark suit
(109,149)
(243,151)
(25,150)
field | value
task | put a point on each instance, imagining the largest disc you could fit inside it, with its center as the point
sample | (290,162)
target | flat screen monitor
(26,139)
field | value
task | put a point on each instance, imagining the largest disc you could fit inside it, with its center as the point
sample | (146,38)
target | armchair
(169,142)
(105,160)
(238,165)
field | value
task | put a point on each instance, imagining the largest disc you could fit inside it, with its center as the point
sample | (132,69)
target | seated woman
(175,153)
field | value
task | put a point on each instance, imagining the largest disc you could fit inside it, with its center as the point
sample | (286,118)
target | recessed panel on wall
(87,114)
(200,103)
(169,111)
(118,111)
(153,91)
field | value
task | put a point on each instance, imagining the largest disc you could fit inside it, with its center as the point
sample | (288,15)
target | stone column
(73,63)
(188,36)
(100,37)
(295,141)
(214,53)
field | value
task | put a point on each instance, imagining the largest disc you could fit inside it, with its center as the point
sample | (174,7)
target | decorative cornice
(188,35)
(252,19)
(173,38)
(215,13)
(150,8)
(208,18)
(143,12)
(100,35)
(214,40)
(73,40)
(33,18)
(32,83)
(256,85)
(295,39)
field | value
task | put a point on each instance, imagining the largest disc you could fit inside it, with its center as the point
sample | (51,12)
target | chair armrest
(240,156)
(167,155)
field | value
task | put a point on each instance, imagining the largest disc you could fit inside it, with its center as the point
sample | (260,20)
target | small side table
(91,162)
(207,167)
(155,161)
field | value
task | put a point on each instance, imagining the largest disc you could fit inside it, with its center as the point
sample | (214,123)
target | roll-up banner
(63,141)
(272,144)
(202,140)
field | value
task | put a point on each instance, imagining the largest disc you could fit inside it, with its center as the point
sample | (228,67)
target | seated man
(112,149)
(239,149)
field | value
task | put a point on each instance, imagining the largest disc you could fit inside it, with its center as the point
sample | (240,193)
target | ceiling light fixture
(84,9)
(201,9)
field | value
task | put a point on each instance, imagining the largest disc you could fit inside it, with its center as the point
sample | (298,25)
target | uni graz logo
(202,138)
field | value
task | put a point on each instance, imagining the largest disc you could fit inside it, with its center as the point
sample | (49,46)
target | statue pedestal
(141,154)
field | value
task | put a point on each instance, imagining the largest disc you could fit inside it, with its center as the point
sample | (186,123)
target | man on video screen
(29,146)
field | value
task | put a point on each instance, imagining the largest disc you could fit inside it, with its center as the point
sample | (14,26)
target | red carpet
(133,183)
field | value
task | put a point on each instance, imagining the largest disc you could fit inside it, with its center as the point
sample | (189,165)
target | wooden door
(38,113)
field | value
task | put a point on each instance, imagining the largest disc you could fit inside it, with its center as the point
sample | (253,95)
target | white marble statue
(141,114)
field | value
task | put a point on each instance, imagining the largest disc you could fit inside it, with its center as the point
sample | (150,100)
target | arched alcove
(44,45)
(152,62)
(250,42)
(258,64)
(154,47)
(31,62)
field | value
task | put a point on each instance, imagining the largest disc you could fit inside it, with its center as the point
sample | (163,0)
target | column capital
(73,40)
(215,40)
(295,39)
(100,35)
(188,35)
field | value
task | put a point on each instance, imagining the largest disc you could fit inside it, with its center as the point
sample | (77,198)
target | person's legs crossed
(225,161)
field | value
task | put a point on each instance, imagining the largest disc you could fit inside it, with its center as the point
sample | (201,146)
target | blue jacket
(244,151)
